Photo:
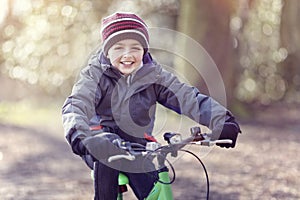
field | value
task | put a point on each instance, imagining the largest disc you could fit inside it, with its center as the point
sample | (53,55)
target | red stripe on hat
(117,16)
(123,26)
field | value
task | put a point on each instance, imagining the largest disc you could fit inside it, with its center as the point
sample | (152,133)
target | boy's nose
(127,54)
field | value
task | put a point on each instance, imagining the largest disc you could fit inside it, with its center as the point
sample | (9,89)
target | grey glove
(101,146)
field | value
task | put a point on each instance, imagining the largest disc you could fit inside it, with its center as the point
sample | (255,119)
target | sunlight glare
(9,30)
(67,11)
(21,7)
(52,10)
(18,72)
(267,29)
(236,23)
(8,46)
(250,85)
(3,10)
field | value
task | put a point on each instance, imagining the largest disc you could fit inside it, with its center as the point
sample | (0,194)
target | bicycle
(162,189)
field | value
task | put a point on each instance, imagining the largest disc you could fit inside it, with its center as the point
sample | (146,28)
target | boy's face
(126,55)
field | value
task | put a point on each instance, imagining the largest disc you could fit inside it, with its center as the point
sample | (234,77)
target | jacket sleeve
(187,100)
(79,107)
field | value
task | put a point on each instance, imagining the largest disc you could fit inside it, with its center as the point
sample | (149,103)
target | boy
(118,91)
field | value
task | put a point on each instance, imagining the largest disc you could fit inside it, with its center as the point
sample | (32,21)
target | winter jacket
(126,104)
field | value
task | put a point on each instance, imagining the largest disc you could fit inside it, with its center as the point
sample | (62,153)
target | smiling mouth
(127,62)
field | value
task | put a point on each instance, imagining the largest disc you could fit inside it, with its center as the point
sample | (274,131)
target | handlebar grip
(209,142)
(213,142)
(118,157)
(225,141)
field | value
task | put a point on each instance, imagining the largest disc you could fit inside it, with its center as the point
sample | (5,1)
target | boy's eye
(137,48)
(118,48)
(122,48)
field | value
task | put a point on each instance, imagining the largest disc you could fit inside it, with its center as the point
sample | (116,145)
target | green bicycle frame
(123,180)
(160,191)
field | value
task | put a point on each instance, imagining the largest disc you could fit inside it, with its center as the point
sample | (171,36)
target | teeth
(127,63)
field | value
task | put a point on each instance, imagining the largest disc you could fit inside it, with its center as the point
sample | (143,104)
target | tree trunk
(290,40)
(207,22)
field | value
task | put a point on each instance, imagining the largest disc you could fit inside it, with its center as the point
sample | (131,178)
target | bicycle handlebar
(175,143)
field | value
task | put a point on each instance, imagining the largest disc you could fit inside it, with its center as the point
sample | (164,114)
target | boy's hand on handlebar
(101,146)
(230,131)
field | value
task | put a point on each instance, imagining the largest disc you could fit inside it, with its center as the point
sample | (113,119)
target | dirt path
(36,164)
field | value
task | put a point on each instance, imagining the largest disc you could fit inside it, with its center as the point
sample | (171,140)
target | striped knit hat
(120,26)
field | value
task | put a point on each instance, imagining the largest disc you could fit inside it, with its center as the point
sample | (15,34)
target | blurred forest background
(254,43)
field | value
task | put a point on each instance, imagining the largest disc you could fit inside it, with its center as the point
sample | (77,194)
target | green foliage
(262,79)
(46,43)
(52,43)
